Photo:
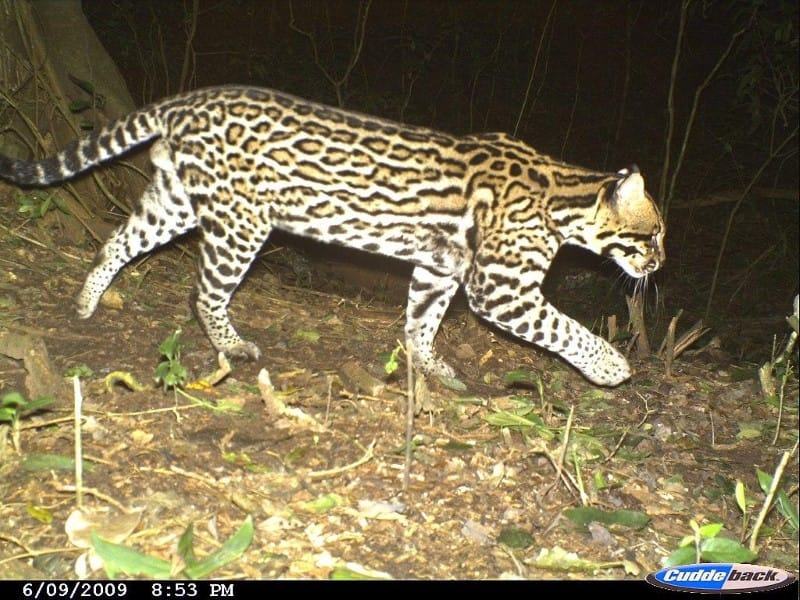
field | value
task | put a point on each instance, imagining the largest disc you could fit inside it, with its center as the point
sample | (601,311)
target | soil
(323,479)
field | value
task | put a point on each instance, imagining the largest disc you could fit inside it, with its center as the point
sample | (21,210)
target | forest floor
(493,491)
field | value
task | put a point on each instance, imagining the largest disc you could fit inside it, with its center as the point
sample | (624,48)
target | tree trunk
(56,81)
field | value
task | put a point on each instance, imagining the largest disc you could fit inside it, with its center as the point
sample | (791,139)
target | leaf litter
(303,478)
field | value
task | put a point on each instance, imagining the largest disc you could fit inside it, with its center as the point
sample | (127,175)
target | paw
(611,369)
(242,349)
(85,308)
(434,367)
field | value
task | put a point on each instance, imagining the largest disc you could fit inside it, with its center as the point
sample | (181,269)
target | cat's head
(627,225)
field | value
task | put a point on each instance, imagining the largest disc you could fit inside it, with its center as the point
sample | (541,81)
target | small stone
(112,299)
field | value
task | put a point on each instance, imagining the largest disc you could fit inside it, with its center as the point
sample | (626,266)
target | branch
(187,51)
(773,153)
(662,187)
(665,201)
(358,44)
(533,68)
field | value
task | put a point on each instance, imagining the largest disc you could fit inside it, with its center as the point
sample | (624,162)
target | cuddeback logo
(729,578)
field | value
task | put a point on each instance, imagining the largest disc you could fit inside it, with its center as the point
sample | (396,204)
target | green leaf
(186,546)
(86,86)
(453,383)
(785,506)
(122,559)
(232,549)
(323,504)
(695,527)
(764,480)
(741,497)
(124,378)
(170,347)
(37,404)
(13,399)
(51,462)
(504,418)
(81,371)
(721,549)
(514,537)
(8,414)
(390,365)
(749,431)
(521,376)
(40,514)
(788,510)
(711,530)
(685,555)
(307,335)
(558,559)
(584,515)
(344,573)
(79,105)
(599,481)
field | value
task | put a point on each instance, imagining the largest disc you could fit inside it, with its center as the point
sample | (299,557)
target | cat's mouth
(638,271)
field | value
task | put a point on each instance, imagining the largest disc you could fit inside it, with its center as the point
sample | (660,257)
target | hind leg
(227,250)
(164,213)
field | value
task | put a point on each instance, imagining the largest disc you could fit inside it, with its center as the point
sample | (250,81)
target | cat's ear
(629,188)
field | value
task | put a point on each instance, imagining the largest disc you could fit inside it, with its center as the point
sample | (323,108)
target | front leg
(508,294)
(428,298)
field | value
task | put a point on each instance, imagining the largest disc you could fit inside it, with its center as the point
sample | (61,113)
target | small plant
(14,406)
(171,372)
(119,559)
(391,365)
(705,544)
(774,374)
(82,371)
(91,100)
(37,204)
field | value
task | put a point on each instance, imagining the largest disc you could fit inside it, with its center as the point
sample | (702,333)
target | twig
(36,242)
(668,346)
(358,44)
(97,494)
(636,315)
(188,48)
(574,99)
(409,412)
(77,410)
(773,488)
(524,106)
(662,187)
(724,244)
(35,553)
(618,445)
(694,333)
(368,455)
(665,201)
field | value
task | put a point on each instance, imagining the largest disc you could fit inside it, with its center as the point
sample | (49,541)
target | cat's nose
(651,265)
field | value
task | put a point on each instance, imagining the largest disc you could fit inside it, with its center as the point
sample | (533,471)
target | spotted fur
(486,212)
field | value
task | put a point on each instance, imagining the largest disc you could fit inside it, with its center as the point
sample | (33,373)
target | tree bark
(48,47)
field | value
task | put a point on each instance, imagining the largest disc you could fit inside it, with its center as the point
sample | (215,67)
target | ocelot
(483,211)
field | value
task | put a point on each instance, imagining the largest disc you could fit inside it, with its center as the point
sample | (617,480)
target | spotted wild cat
(483,211)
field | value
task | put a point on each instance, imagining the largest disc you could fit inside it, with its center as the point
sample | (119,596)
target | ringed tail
(113,139)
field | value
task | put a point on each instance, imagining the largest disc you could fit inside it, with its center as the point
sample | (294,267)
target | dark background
(598,97)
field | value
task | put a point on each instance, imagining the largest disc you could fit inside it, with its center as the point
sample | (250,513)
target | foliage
(768,79)
(36,204)
(705,544)
(391,364)
(120,559)
(14,406)
(171,372)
